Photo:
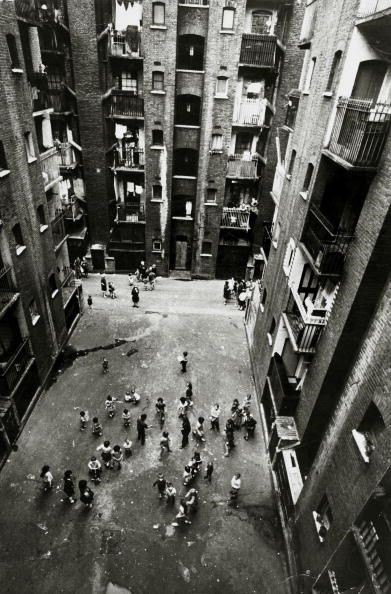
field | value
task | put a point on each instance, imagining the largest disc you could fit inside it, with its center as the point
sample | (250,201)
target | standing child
(161,411)
(183,361)
(170,494)
(161,484)
(199,430)
(97,428)
(249,424)
(86,494)
(182,406)
(126,418)
(189,393)
(95,469)
(69,487)
(110,406)
(135,296)
(209,471)
(141,428)
(47,478)
(89,302)
(103,285)
(117,457)
(214,417)
(84,418)
(127,445)
(164,444)
(105,449)
(112,291)
(229,437)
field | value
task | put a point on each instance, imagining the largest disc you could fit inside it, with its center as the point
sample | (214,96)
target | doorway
(180,253)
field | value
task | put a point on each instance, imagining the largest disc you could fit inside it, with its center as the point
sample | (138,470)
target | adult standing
(103,285)
(141,427)
(186,429)
(135,296)
(69,486)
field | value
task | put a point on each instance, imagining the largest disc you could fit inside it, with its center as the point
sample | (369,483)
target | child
(84,418)
(214,417)
(89,302)
(47,478)
(187,476)
(86,494)
(103,285)
(181,517)
(183,361)
(127,445)
(199,430)
(209,471)
(195,464)
(126,418)
(236,414)
(110,406)
(246,404)
(191,499)
(117,456)
(135,296)
(112,290)
(189,393)
(182,406)
(105,365)
(95,469)
(132,396)
(69,487)
(161,484)
(161,411)
(97,428)
(106,453)
(170,494)
(164,444)
(229,437)
(249,424)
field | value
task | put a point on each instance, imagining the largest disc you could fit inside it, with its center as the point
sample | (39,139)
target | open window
(18,237)
(13,52)
(261,22)
(307,181)
(323,518)
(368,431)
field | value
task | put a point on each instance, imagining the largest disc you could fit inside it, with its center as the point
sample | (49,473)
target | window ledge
(156,251)
(362,445)
(328,94)
(154,92)
(262,307)
(304,195)
(221,97)
(35,320)
(4,172)
(227,32)
(269,339)
(17,70)
(305,93)
(206,255)
(159,27)
(43,228)
(20,249)
(216,152)
(189,70)
(158,201)
(286,271)
(31,160)
(157,147)
(288,176)
(210,203)
(275,244)
(54,293)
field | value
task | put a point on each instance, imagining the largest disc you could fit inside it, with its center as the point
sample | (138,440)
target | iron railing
(250,112)
(7,286)
(49,165)
(73,211)
(67,277)
(238,167)
(235,218)
(66,155)
(326,247)
(370,7)
(304,334)
(310,313)
(130,158)
(267,238)
(121,47)
(58,228)
(286,397)
(360,130)
(123,104)
(132,212)
(12,370)
(259,50)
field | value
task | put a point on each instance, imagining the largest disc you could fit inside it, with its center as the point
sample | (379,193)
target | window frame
(309,75)
(157,5)
(3,161)
(204,243)
(227,10)
(156,84)
(33,311)
(209,190)
(154,249)
(13,52)
(217,93)
(18,238)
(29,147)
(157,131)
(154,196)
(219,145)
(334,69)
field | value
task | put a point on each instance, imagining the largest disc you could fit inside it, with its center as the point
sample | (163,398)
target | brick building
(318,323)
(176,101)
(39,181)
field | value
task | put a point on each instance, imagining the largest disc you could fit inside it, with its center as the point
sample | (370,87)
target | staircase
(368,538)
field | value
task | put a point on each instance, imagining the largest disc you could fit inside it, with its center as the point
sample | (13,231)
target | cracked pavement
(126,543)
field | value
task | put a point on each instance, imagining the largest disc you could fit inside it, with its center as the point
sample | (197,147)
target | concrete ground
(126,543)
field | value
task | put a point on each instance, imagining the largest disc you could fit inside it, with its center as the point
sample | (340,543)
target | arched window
(227,23)
(13,51)
(158,13)
(261,22)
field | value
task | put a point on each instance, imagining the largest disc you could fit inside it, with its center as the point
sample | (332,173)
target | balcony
(373,547)
(12,370)
(278,183)
(250,112)
(267,239)
(286,397)
(124,105)
(120,48)
(311,313)
(60,101)
(258,51)
(7,287)
(58,229)
(32,11)
(240,168)
(327,249)
(39,80)
(50,167)
(235,218)
(304,332)
(130,159)
(359,133)
(370,8)
(66,155)
(132,212)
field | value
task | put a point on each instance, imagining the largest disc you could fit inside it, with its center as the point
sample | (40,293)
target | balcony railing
(371,7)
(50,167)
(267,238)
(66,155)
(12,370)
(311,313)
(259,50)
(67,277)
(238,167)
(304,337)
(123,104)
(374,553)
(235,218)
(132,212)
(130,159)
(309,22)
(286,397)
(73,211)
(278,183)
(7,287)
(360,131)
(121,47)
(60,101)
(326,247)
(250,112)
(58,228)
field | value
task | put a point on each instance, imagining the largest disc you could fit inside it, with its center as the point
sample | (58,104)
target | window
(271,331)
(157,137)
(158,81)
(261,21)
(29,146)
(127,82)
(307,181)
(206,248)
(264,297)
(333,71)
(222,86)
(34,314)
(52,285)
(288,260)
(368,430)
(217,143)
(310,73)
(156,192)
(3,159)
(228,19)
(211,196)
(323,518)
(276,237)
(17,232)
(156,245)
(41,218)
(13,51)
(158,13)
(291,164)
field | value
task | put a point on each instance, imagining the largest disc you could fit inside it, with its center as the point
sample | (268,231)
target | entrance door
(180,255)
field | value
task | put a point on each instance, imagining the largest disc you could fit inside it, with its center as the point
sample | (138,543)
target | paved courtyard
(126,543)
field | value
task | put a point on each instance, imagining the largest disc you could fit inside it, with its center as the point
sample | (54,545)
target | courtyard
(126,543)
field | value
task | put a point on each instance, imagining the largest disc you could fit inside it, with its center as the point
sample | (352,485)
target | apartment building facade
(40,300)
(176,100)
(318,322)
